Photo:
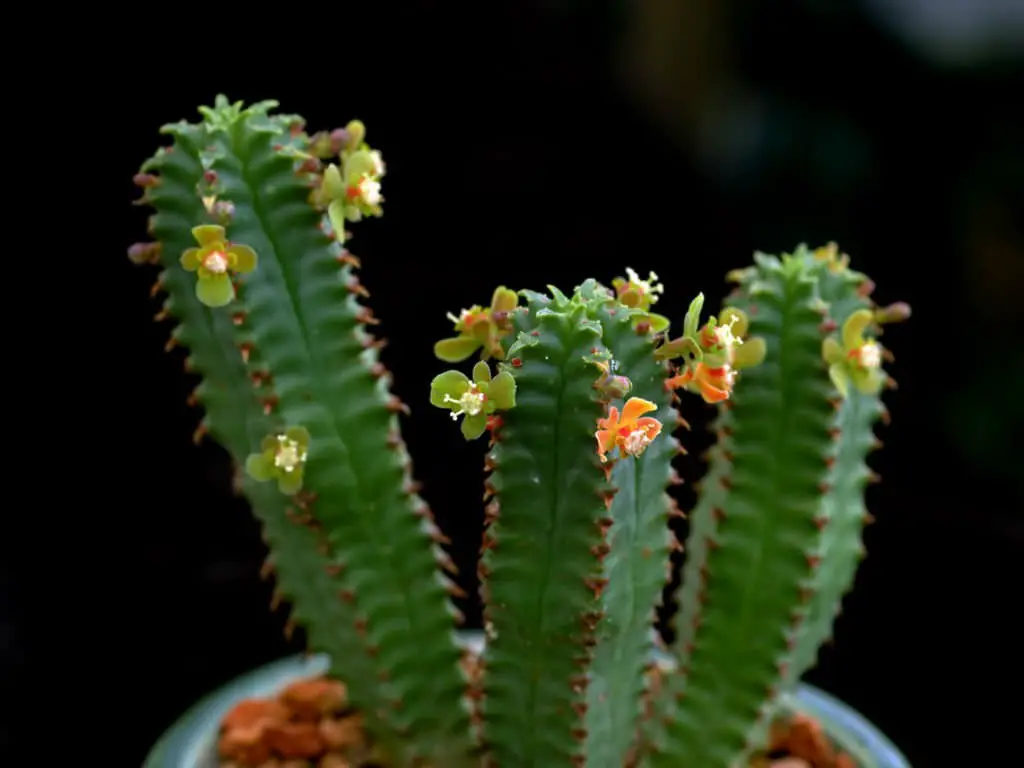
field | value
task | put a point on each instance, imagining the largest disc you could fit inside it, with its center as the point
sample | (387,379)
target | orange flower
(714,384)
(631,433)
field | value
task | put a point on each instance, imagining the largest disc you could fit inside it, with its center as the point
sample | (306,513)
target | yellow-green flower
(836,261)
(855,359)
(215,260)
(354,190)
(721,341)
(712,354)
(641,294)
(475,400)
(480,327)
(282,457)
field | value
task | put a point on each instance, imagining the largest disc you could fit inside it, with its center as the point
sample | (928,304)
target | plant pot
(192,741)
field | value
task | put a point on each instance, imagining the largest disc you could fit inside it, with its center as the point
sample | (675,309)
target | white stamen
(635,442)
(289,454)
(216,262)
(870,355)
(470,404)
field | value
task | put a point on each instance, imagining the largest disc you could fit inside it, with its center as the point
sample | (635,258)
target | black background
(521,151)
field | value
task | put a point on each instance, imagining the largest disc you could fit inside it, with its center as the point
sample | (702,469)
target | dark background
(541,142)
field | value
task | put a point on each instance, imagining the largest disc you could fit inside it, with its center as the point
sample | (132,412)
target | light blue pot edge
(190,742)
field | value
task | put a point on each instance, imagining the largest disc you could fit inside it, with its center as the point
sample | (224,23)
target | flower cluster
(711,355)
(641,294)
(836,261)
(352,191)
(214,261)
(480,328)
(853,358)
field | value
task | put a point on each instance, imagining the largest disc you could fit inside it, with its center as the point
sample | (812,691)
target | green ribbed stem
(756,553)
(539,604)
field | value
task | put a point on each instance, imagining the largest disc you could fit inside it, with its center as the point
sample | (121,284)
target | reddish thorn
(752,311)
(674,478)
(868,518)
(199,433)
(347,596)
(890,383)
(245,348)
(886,417)
(157,287)
(394,405)
(600,550)
(368,342)
(535,332)
(516,362)
(492,511)
(718,514)
(725,482)
(356,287)
(866,288)
(192,400)
(828,326)
(378,371)
(874,477)
(365,316)
(239,317)
(643,328)
(829,461)
(813,561)
(824,487)
(289,629)
(820,521)
(270,403)
(835,433)
(334,569)
(712,543)
(210,177)
(596,585)
(189,364)
(675,511)
(278,147)
(681,422)
(171,344)
(160,316)
(267,569)
(145,180)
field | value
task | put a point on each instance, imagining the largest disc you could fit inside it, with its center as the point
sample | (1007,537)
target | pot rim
(190,741)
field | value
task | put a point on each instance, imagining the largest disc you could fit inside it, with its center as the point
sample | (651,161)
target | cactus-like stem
(638,558)
(310,364)
(843,510)
(757,545)
(541,568)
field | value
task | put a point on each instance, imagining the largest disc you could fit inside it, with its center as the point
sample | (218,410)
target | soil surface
(310,725)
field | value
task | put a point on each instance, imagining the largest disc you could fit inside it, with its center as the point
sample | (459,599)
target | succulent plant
(576,393)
